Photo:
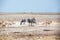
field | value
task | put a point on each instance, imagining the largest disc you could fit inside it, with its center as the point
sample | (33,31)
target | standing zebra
(31,21)
(22,21)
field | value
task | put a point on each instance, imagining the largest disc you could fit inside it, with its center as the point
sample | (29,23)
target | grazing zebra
(22,21)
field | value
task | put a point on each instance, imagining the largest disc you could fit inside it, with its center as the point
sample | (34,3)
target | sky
(29,5)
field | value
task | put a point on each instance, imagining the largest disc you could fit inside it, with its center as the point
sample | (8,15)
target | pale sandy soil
(18,37)
(39,30)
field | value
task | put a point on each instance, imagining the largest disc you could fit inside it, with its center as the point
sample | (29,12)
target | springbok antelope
(2,24)
(47,22)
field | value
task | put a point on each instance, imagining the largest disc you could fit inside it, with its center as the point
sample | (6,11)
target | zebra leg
(21,23)
(24,22)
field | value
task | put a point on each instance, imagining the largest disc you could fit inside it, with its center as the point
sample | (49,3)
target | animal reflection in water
(30,21)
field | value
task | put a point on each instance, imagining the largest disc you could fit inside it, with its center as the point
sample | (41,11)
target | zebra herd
(33,21)
(30,21)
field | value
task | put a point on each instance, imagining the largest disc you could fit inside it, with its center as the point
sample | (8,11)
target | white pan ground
(53,28)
